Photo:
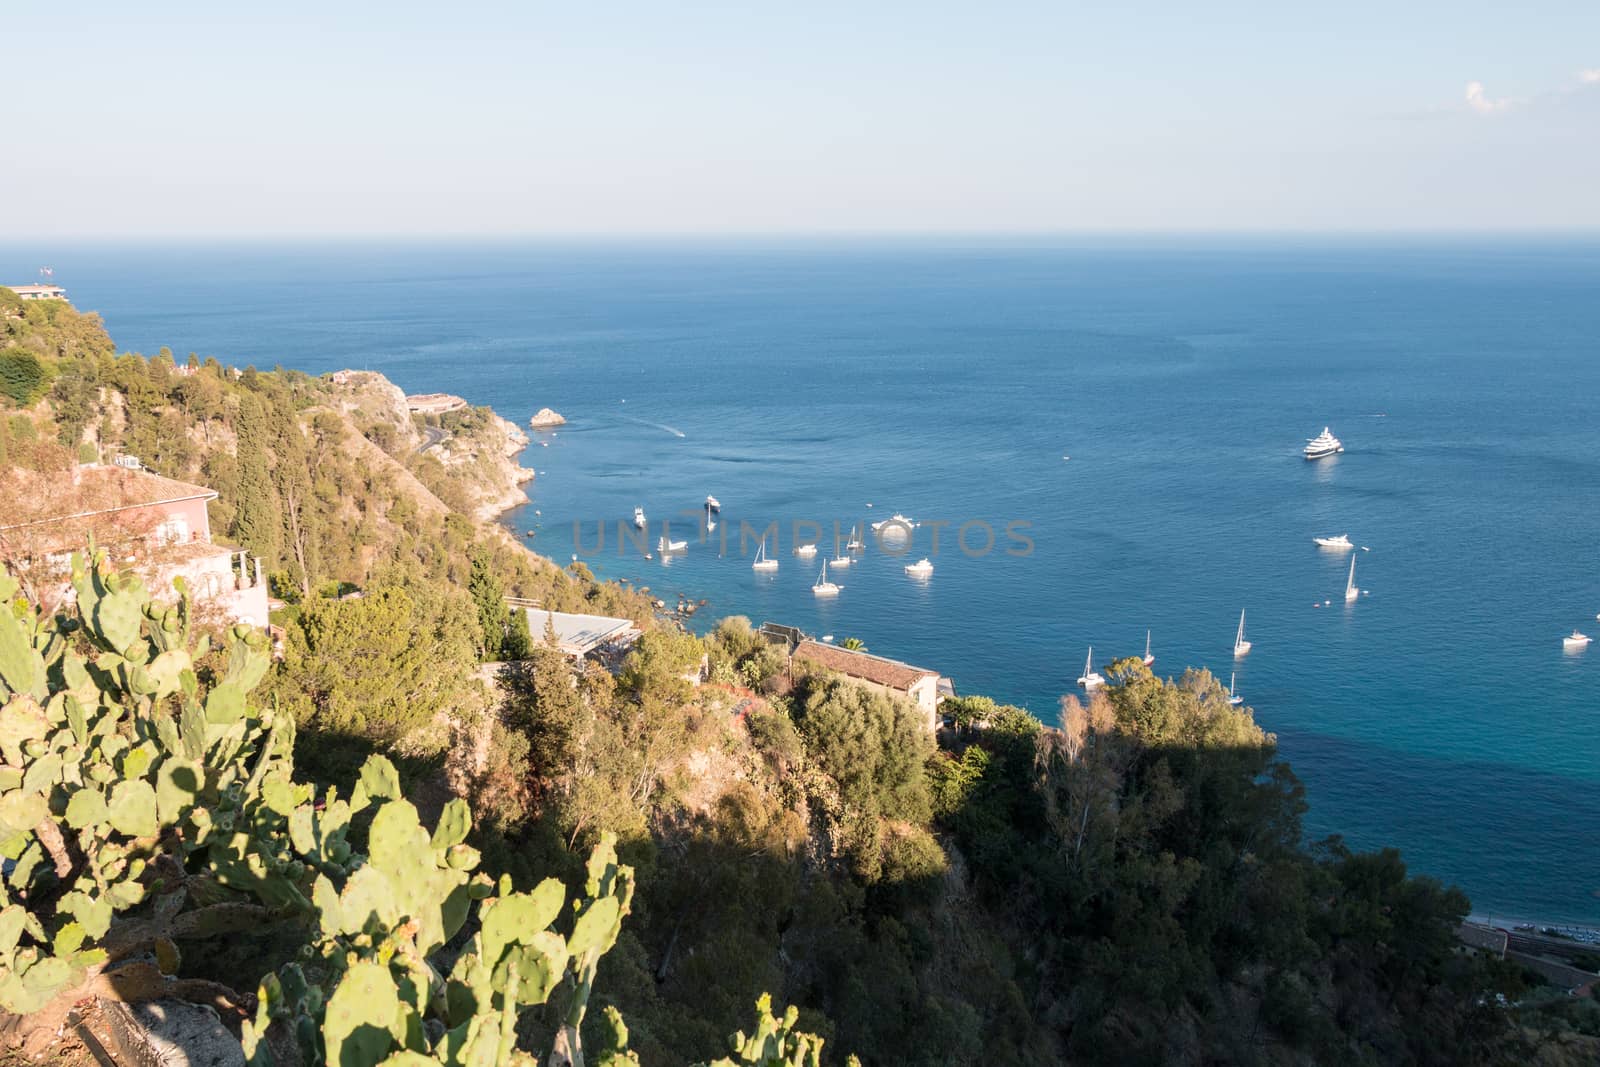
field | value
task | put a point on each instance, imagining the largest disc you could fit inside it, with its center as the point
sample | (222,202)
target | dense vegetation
(1126,886)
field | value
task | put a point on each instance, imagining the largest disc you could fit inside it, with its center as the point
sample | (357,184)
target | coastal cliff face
(475,447)
(482,452)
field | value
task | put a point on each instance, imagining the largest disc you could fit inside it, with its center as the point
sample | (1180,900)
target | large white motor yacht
(1324,444)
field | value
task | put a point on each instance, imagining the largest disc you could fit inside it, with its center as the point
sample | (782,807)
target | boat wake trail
(673,430)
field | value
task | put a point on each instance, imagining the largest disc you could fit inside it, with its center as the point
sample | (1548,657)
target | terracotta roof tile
(885,672)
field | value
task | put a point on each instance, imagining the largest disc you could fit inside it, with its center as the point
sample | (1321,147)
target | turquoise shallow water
(947,380)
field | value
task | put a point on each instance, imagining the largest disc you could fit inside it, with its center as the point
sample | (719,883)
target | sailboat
(823,586)
(1350,590)
(1240,645)
(762,563)
(1148,658)
(1234,698)
(638,518)
(1091,679)
(855,544)
(665,545)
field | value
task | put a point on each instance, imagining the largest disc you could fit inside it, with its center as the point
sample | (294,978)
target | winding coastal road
(433,435)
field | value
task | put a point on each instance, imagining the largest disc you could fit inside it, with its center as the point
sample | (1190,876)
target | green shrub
(23,376)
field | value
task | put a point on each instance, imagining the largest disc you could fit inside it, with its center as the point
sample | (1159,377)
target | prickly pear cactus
(116,775)
(367,991)
(775,1042)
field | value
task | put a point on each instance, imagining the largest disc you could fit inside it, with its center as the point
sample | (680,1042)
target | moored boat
(823,587)
(762,563)
(1091,679)
(1240,645)
(1342,541)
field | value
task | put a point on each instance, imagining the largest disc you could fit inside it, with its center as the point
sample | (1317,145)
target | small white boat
(638,518)
(1342,541)
(896,523)
(841,561)
(1234,698)
(805,551)
(1240,645)
(823,587)
(762,563)
(922,568)
(1148,658)
(712,504)
(1576,641)
(1324,444)
(1350,590)
(1091,678)
(855,544)
(664,546)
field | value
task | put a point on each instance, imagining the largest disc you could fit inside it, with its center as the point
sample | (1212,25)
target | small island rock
(545,419)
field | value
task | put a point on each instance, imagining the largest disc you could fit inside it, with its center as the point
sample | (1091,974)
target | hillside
(1126,885)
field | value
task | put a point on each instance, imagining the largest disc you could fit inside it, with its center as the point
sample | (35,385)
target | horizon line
(746,236)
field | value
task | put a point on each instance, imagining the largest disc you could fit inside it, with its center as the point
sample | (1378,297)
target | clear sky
(342,118)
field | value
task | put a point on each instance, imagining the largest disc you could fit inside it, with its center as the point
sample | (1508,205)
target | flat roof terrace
(579,635)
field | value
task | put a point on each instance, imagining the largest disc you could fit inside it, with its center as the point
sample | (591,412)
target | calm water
(947,381)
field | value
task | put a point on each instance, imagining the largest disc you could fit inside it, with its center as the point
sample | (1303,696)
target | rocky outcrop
(546,418)
(368,398)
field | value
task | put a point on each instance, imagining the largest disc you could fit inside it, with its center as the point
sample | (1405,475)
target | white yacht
(1240,645)
(855,543)
(1342,541)
(713,505)
(1148,658)
(1350,590)
(1234,698)
(1576,641)
(638,518)
(806,551)
(1091,679)
(665,546)
(841,561)
(896,523)
(922,568)
(823,586)
(1324,444)
(762,563)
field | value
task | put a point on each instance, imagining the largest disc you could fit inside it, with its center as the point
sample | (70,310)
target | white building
(39,292)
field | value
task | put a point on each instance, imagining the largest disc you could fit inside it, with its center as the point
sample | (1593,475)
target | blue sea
(835,381)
